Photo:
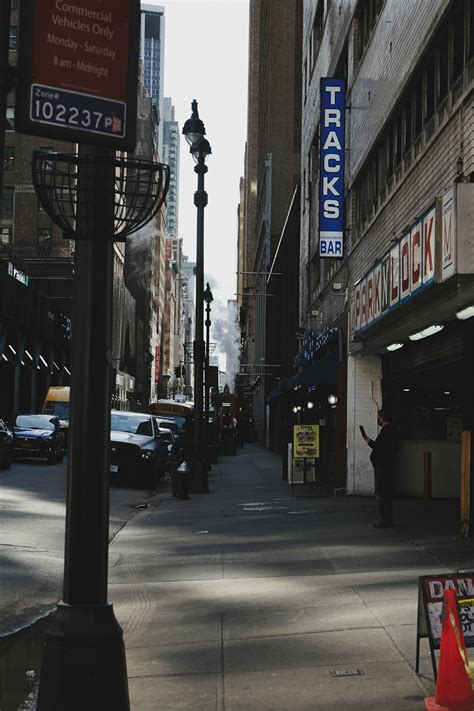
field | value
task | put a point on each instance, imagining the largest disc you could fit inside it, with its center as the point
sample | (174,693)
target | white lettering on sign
(331,159)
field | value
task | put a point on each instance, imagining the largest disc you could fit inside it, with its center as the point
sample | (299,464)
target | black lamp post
(207,298)
(194,132)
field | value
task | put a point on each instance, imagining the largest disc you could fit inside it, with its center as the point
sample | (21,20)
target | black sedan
(138,453)
(6,446)
(38,436)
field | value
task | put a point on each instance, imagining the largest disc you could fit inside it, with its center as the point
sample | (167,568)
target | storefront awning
(323,372)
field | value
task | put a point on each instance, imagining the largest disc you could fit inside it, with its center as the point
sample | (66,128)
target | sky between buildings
(206,58)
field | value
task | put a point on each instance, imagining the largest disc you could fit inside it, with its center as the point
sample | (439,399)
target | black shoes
(383,524)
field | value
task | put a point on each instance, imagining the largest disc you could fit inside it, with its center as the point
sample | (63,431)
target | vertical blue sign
(331,162)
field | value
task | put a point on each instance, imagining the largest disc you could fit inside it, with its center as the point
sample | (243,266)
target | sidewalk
(235,607)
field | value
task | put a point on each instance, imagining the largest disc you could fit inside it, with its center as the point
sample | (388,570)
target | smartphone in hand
(362,431)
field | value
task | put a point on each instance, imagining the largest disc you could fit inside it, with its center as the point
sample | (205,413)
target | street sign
(78,71)
(331,158)
(430,609)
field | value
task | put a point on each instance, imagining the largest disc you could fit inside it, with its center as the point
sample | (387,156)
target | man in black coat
(384,449)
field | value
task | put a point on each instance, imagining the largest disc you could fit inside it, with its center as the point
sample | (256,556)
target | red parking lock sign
(78,71)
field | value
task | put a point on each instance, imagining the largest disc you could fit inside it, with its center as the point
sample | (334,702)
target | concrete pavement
(246,599)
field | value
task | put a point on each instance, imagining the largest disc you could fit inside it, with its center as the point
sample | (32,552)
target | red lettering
(357,308)
(415,257)
(377,276)
(428,243)
(405,267)
(364,302)
(370,288)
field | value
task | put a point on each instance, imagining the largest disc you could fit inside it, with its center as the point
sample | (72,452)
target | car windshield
(59,409)
(167,424)
(34,422)
(134,424)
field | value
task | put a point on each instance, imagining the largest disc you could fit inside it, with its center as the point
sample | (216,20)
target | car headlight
(147,454)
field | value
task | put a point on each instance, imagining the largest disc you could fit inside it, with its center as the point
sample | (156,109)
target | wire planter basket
(75,191)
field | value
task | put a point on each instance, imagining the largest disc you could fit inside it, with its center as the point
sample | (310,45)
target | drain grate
(346,672)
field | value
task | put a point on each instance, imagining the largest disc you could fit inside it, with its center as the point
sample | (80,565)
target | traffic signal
(177,371)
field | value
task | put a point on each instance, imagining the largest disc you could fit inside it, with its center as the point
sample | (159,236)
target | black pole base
(84,664)
(199,480)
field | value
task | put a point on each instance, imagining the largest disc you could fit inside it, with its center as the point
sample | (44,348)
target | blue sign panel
(331,180)
(70,109)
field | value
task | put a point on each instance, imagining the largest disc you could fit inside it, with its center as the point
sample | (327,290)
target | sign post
(78,69)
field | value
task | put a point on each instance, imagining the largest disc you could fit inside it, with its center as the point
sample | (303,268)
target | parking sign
(78,67)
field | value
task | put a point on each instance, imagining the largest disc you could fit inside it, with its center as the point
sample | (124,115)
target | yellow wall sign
(305,441)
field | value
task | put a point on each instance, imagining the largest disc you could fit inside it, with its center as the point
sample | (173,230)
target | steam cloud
(226,333)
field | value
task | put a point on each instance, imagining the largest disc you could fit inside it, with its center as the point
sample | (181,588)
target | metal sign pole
(84,655)
(4,81)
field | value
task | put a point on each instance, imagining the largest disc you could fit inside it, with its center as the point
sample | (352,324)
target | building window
(9,158)
(10,118)
(44,241)
(13,37)
(317,32)
(6,201)
(5,236)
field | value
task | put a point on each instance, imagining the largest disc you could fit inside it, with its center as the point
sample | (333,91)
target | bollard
(427,475)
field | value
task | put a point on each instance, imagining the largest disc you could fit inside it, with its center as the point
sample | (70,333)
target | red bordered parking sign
(78,71)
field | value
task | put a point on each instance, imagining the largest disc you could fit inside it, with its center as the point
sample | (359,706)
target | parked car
(38,436)
(6,446)
(138,451)
(170,438)
(57,403)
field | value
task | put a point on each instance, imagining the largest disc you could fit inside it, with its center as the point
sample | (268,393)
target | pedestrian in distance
(384,449)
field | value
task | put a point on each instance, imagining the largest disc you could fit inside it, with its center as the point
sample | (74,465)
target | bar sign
(331,155)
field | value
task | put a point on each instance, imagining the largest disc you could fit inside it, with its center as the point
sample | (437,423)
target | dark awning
(323,372)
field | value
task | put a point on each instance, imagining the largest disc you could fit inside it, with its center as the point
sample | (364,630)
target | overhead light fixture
(12,349)
(67,370)
(447,392)
(394,346)
(406,390)
(28,354)
(428,331)
(4,356)
(332,399)
(310,405)
(295,409)
(43,361)
(465,313)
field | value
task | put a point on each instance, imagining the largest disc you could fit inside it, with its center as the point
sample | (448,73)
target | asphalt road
(32,526)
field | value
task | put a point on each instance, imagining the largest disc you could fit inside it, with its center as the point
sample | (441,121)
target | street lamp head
(201,149)
(207,295)
(193,128)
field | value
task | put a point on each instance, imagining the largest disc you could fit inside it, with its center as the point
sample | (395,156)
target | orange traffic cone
(453,683)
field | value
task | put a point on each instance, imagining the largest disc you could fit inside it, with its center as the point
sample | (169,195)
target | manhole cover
(346,672)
